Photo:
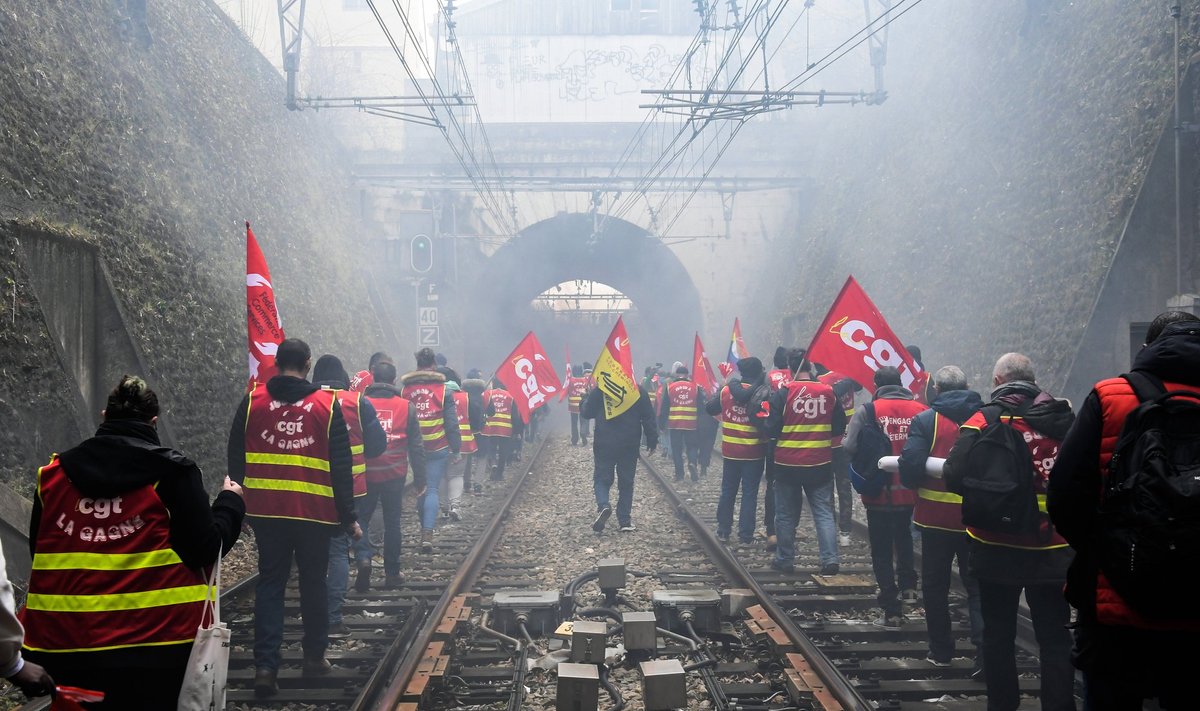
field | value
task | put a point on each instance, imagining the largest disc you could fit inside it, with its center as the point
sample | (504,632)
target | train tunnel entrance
(554,278)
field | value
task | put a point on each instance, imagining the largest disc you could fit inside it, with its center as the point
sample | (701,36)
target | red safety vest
(461,405)
(832,378)
(1043,450)
(895,417)
(499,423)
(807,436)
(681,405)
(740,438)
(576,389)
(351,404)
(1117,400)
(287,457)
(779,378)
(105,575)
(393,413)
(429,399)
(936,507)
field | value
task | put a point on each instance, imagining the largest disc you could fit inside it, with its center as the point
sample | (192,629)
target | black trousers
(939,550)
(683,441)
(496,451)
(843,488)
(769,495)
(579,428)
(891,555)
(1050,613)
(1124,666)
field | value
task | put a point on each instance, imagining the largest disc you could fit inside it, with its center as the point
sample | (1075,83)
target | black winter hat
(750,368)
(781,357)
(328,369)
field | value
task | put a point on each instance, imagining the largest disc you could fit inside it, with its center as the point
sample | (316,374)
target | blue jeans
(746,474)
(435,469)
(625,465)
(791,484)
(389,495)
(279,541)
(340,545)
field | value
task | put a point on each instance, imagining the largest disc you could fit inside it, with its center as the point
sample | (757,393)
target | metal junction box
(578,687)
(734,601)
(664,685)
(640,631)
(540,608)
(612,573)
(703,607)
(588,640)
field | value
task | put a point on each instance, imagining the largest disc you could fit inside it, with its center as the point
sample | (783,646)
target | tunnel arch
(560,249)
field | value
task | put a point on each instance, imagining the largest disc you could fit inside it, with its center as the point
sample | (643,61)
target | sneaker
(723,537)
(363,582)
(264,683)
(937,662)
(977,670)
(889,622)
(445,515)
(628,527)
(427,540)
(909,595)
(772,543)
(601,519)
(454,514)
(830,569)
(788,568)
(393,582)
(339,631)
(316,667)
(844,540)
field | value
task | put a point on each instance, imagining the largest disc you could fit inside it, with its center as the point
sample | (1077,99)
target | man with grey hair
(939,512)
(1033,558)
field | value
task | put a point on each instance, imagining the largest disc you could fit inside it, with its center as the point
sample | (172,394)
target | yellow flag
(614,373)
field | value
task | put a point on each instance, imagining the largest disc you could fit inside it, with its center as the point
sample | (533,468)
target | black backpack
(998,483)
(865,475)
(1149,519)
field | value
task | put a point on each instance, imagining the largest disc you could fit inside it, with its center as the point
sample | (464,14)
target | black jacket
(1075,482)
(449,409)
(415,446)
(1016,566)
(955,405)
(474,388)
(125,455)
(622,434)
(374,438)
(288,388)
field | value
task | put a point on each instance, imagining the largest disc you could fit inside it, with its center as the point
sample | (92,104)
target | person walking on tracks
(387,474)
(577,387)
(679,415)
(1135,638)
(1000,465)
(889,510)
(120,533)
(804,418)
(939,513)
(501,426)
(743,448)
(615,445)
(426,389)
(290,451)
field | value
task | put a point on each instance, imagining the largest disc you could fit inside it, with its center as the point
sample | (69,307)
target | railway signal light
(421,254)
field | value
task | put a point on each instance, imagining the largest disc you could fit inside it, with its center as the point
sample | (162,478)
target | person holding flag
(707,425)
(623,415)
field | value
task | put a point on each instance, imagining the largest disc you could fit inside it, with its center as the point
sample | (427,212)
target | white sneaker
(454,514)
(844,540)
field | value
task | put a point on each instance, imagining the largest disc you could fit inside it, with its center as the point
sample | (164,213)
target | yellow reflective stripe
(358,468)
(432,423)
(848,412)
(945,497)
(189,640)
(803,443)
(302,487)
(1041,498)
(104,561)
(289,460)
(503,416)
(117,601)
(739,440)
(739,427)
(683,408)
(356,449)
(808,428)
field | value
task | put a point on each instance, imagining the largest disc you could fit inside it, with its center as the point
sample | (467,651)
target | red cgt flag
(566,376)
(528,375)
(855,340)
(702,370)
(263,325)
